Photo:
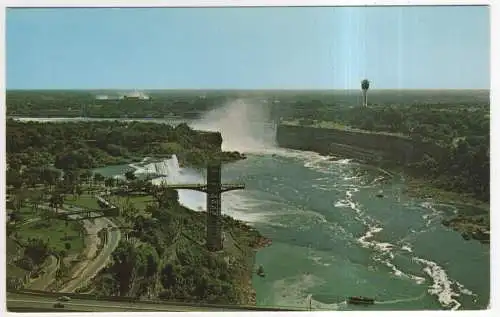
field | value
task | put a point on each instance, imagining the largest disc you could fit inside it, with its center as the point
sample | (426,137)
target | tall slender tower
(365,85)
(214,221)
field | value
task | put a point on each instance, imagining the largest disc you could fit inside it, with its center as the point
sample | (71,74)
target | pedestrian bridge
(204,187)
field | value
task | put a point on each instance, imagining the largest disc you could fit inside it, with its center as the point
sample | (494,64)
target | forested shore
(162,252)
(458,172)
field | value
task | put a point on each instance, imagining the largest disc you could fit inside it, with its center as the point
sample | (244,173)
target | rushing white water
(170,172)
(245,126)
(169,169)
(319,199)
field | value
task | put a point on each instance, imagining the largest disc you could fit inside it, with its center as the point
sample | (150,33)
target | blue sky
(248,48)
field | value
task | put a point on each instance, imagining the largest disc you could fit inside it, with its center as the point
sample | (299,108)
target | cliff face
(364,146)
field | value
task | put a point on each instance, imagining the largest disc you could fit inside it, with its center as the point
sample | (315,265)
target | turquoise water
(317,212)
(113,170)
(332,237)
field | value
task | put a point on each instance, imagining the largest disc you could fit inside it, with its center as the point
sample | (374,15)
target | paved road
(97,264)
(18,302)
(49,276)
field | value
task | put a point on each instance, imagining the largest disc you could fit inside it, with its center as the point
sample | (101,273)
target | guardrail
(137,301)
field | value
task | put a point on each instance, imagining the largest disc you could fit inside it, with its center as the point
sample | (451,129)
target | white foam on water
(343,161)
(376,180)
(442,286)
(434,214)
(323,164)
(383,249)
(348,178)
(342,204)
(293,292)
(234,204)
(465,291)
(407,247)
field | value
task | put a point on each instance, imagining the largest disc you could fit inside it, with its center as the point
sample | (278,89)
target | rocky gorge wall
(365,146)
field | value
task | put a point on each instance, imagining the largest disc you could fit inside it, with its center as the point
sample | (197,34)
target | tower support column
(214,221)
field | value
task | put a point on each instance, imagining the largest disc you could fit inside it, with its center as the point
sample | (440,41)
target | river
(333,237)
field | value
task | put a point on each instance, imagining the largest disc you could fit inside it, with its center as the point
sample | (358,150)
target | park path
(87,269)
(48,277)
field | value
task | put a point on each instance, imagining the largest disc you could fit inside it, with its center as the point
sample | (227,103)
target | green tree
(130,176)
(56,200)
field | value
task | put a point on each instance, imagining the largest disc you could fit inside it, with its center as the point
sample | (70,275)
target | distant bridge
(204,187)
(89,214)
(213,188)
(107,210)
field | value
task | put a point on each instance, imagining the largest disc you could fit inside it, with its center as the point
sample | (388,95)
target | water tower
(365,85)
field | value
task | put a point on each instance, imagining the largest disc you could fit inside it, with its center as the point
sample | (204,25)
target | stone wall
(365,146)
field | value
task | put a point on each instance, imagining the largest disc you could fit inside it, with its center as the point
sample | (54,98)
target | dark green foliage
(33,147)
(36,250)
(166,257)
(130,175)
(461,130)
(84,103)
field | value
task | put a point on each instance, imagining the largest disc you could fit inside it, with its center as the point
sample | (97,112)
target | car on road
(64,299)
(58,305)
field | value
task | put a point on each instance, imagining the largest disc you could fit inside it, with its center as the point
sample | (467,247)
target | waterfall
(169,171)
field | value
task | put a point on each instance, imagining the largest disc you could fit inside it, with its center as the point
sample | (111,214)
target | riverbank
(470,226)
(395,153)
(181,248)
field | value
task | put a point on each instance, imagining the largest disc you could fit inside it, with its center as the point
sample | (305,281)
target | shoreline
(476,226)
(248,239)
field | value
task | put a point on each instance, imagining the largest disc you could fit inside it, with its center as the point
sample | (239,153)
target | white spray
(245,126)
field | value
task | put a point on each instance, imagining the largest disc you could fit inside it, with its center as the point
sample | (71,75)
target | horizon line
(235,89)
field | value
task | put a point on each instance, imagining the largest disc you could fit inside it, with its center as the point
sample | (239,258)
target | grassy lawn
(139,202)
(13,249)
(56,233)
(27,212)
(84,201)
(15,271)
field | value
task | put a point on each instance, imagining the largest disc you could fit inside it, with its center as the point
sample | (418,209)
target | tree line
(85,145)
(462,130)
(85,103)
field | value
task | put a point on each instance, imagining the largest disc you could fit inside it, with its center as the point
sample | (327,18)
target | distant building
(136,95)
